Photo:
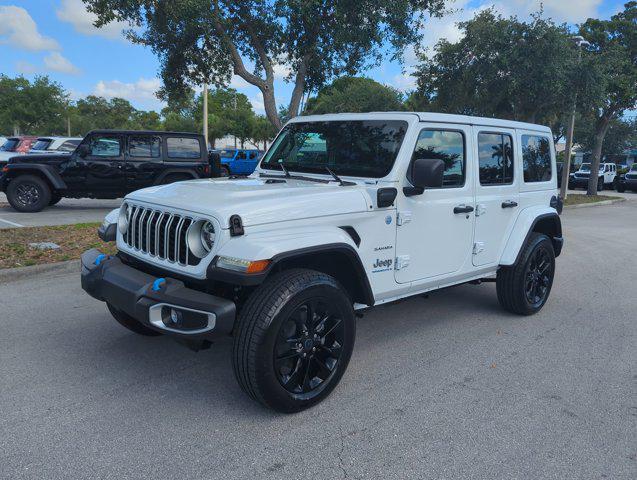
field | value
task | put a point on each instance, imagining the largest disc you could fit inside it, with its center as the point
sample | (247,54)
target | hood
(257,200)
(46,158)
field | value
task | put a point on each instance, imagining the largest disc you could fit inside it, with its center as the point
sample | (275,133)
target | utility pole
(566,171)
(68,126)
(205,115)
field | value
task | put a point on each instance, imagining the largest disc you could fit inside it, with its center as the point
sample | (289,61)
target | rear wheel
(294,339)
(224,171)
(524,287)
(28,193)
(128,322)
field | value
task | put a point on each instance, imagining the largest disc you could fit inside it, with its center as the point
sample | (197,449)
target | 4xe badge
(382,265)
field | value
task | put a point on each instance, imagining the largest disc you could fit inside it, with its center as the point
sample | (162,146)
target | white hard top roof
(425,117)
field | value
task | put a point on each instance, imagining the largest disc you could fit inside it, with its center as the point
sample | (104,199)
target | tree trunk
(601,127)
(299,89)
(269,102)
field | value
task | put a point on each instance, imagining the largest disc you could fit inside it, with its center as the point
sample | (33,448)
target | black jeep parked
(107,164)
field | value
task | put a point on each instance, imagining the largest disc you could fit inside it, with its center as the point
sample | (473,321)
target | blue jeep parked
(239,161)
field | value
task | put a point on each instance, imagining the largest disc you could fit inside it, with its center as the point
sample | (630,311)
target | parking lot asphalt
(447,386)
(68,211)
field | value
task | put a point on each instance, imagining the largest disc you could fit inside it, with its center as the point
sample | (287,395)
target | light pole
(205,115)
(566,171)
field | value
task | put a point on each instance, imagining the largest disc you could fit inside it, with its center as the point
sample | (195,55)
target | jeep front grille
(160,234)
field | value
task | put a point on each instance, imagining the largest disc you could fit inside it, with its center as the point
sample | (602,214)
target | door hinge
(402,261)
(403,218)
(480,209)
(478,247)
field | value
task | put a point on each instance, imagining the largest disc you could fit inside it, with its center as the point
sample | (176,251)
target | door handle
(463,209)
(509,204)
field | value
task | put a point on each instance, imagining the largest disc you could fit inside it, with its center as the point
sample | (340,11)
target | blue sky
(56,38)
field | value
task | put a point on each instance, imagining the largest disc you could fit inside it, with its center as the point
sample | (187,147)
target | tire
(512,283)
(126,321)
(278,363)
(55,199)
(621,188)
(224,171)
(28,193)
(600,184)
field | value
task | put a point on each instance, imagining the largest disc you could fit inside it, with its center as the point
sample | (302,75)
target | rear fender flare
(527,222)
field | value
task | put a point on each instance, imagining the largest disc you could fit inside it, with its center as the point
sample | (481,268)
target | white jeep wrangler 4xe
(344,212)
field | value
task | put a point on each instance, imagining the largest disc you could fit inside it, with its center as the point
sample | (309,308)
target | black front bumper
(629,183)
(108,279)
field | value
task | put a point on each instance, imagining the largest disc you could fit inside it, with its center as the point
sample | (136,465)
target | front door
(497,193)
(435,228)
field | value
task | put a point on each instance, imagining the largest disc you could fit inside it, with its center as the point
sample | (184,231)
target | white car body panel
(416,245)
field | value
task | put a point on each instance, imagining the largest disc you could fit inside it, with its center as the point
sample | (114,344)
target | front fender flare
(52,176)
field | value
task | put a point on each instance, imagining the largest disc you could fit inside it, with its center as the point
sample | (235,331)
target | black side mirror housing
(82,150)
(425,173)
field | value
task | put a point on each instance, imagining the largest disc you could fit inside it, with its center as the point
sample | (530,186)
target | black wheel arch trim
(175,171)
(557,239)
(243,279)
(47,171)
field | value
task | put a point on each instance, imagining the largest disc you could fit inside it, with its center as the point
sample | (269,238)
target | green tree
(619,138)
(262,131)
(208,40)
(612,57)
(355,94)
(35,108)
(502,67)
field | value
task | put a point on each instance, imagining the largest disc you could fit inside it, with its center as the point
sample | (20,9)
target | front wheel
(28,193)
(524,287)
(293,340)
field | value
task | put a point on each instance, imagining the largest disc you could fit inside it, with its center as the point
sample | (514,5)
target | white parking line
(11,223)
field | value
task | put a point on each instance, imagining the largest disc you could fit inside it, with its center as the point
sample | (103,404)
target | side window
(241,155)
(495,156)
(182,148)
(536,156)
(445,145)
(105,146)
(69,146)
(144,146)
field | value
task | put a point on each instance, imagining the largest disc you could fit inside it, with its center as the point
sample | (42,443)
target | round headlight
(207,236)
(122,220)
(201,238)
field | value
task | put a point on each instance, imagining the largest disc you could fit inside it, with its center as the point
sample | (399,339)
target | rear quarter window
(536,157)
(183,148)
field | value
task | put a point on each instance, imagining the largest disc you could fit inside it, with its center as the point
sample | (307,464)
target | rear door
(143,160)
(497,192)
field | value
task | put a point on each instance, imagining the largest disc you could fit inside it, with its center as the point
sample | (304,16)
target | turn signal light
(258,266)
(241,265)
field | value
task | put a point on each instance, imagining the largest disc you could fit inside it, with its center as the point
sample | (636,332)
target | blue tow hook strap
(158,283)
(100,258)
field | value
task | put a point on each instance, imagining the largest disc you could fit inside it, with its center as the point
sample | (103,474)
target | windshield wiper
(340,181)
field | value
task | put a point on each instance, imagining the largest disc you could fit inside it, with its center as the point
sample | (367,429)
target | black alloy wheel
(309,346)
(538,276)
(28,193)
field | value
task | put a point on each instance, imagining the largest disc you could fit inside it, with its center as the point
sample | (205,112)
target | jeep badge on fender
(283,258)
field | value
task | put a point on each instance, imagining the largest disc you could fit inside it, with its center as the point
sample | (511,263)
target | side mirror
(82,150)
(425,173)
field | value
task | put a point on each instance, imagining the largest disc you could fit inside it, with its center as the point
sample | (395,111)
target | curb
(14,274)
(595,204)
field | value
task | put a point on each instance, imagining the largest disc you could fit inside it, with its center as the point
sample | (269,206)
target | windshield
(633,167)
(358,148)
(586,167)
(41,144)
(10,145)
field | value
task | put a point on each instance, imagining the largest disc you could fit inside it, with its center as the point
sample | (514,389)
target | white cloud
(18,29)
(141,92)
(281,70)
(57,63)
(25,68)
(75,13)
(404,82)
(559,10)
(237,82)
(257,103)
